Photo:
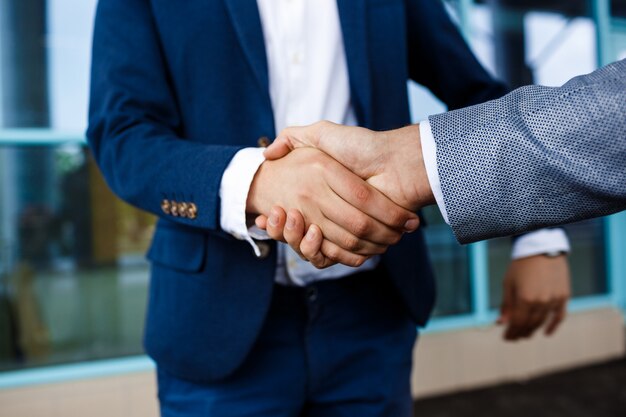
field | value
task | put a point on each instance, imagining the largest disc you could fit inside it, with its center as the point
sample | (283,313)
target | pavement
(594,391)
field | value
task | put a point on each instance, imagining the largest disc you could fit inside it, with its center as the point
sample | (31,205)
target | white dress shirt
(308,82)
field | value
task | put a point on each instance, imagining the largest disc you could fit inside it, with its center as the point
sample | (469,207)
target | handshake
(339,194)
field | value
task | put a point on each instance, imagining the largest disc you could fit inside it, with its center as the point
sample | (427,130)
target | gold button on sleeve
(192,211)
(182,209)
(165,206)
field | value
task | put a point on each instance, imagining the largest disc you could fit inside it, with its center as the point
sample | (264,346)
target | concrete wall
(473,358)
(444,362)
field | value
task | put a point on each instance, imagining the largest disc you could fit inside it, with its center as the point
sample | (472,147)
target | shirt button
(311,294)
(296,58)
(263,142)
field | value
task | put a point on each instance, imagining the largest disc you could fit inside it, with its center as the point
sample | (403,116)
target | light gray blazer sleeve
(537,157)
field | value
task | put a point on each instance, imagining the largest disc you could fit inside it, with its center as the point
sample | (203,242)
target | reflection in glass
(450,265)
(73,280)
(586,261)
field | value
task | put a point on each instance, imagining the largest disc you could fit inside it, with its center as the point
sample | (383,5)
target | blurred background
(73,278)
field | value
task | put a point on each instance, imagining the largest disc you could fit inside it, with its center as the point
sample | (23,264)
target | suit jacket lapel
(247,23)
(353,16)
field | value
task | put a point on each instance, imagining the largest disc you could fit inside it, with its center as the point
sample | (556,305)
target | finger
(322,253)
(558,315)
(277,149)
(291,138)
(311,246)
(538,315)
(261,221)
(294,230)
(334,254)
(358,224)
(276,223)
(349,242)
(519,318)
(369,200)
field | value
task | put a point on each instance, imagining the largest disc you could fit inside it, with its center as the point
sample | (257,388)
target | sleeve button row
(176,209)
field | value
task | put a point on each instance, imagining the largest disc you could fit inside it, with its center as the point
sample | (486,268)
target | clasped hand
(345,196)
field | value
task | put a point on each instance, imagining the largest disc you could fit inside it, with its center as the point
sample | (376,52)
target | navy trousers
(335,348)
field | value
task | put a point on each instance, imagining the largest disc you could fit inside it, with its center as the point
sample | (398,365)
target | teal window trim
(37,137)
(478,256)
(74,372)
(615,242)
(601,13)
(141,363)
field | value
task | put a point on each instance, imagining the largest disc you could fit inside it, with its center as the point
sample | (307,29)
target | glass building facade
(73,278)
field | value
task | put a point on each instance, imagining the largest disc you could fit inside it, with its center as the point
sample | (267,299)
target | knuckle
(358,261)
(274,233)
(379,250)
(294,242)
(543,300)
(305,251)
(323,124)
(332,254)
(528,300)
(395,238)
(362,194)
(351,243)
(396,218)
(318,263)
(318,127)
(361,226)
(329,264)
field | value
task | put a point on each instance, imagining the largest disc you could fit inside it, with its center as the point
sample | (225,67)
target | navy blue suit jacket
(178,87)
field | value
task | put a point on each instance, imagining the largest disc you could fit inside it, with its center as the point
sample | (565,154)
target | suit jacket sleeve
(537,157)
(134,125)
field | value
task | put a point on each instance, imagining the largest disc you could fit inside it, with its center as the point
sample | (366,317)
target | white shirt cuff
(429,154)
(540,242)
(234,190)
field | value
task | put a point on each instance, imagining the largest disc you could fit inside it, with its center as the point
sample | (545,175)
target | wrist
(408,150)
(256,203)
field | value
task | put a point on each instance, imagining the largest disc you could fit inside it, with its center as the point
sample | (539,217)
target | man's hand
(536,290)
(390,161)
(356,220)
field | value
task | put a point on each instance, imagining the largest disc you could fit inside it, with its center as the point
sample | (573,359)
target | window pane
(450,265)
(73,278)
(554,43)
(587,261)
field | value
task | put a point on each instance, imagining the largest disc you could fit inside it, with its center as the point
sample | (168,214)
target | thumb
(261,221)
(291,138)
(277,149)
